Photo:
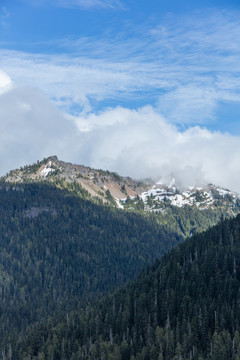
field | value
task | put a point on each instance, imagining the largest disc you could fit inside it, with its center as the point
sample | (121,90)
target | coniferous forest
(186,306)
(59,251)
(76,281)
(119,180)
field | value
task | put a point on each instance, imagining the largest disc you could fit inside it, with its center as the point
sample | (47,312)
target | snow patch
(193,196)
(224,192)
(119,204)
(46,170)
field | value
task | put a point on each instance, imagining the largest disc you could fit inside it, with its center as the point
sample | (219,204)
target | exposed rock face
(96,182)
(124,191)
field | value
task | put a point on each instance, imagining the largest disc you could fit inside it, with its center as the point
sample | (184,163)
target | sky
(146,89)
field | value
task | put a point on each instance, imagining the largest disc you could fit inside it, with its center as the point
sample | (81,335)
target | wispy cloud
(4,15)
(83,4)
(184,67)
(112,4)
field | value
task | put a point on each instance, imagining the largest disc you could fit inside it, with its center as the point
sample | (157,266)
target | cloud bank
(138,143)
(141,143)
(183,69)
(31,128)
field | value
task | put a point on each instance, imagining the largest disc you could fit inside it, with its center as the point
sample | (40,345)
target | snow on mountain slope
(159,197)
(47,169)
(202,198)
(125,192)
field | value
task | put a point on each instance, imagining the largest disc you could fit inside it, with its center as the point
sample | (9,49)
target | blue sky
(173,66)
(163,49)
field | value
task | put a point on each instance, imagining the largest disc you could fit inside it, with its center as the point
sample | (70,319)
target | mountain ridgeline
(187,306)
(185,211)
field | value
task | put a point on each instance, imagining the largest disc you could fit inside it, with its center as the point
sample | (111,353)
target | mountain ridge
(49,217)
(121,191)
(185,210)
(95,181)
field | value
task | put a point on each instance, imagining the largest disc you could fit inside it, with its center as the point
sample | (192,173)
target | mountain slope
(57,250)
(96,182)
(184,210)
(187,306)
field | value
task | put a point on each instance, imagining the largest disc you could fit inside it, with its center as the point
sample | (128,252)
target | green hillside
(187,306)
(58,250)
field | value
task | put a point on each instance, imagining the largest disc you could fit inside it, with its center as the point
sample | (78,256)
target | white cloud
(31,128)
(112,4)
(140,143)
(75,4)
(5,82)
(4,14)
(186,66)
(189,104)
(183,69)
(66,80)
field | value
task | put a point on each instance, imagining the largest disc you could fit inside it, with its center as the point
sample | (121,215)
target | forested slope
(183,210)
(187,306)
(58,250)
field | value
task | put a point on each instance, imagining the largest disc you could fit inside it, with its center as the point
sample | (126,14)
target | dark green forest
(58,250)
(186,306)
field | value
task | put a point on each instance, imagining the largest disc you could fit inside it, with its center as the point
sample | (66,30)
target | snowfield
(200,197)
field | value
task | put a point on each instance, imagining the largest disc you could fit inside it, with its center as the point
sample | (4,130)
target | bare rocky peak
(99,183)
(123,191)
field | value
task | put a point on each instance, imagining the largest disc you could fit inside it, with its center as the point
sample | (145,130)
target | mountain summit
(98,183)
(187,209)
(124,190)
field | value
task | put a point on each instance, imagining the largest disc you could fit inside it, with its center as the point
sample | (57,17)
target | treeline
(58,250)
(187,306)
